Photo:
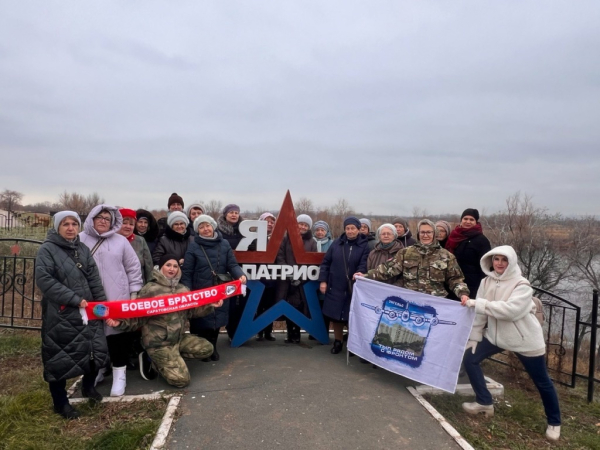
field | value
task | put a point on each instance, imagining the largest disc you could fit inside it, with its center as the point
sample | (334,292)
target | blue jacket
(338,274)
(197,274)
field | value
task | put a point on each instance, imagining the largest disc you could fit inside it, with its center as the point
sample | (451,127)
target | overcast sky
(388,104)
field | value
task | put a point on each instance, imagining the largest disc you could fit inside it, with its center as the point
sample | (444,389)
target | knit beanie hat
(402,221)
(174,198)
(305,218)
(470,212)
(321,224)
(231,207)
(177,216)
(128,213)
(367,222)
(264,216)
(390,226)
(204,218)
(200,206)
(352,221)
(166,257)
(62,215)
(445,225)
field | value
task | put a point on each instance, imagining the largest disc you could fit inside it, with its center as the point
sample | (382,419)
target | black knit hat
(174,198)
(351,220)
(470,212)
(166,257)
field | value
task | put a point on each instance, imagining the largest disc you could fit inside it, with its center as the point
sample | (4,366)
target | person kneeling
(163,336)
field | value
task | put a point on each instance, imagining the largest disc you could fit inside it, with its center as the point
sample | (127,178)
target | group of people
(122,254)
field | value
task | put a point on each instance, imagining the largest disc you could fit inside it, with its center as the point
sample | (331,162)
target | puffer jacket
(424,268)
(230,232)
(163,330)
(197,274)
(407,239)
(290,290)
(119,266)
(172,243)
(68,346)
(504,303)
(343,259)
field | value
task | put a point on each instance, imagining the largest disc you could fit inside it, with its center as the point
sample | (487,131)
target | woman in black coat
(347,255)
(293,290)
(469,244)
(146,227)
(176,239)
(209,254)
(68,277)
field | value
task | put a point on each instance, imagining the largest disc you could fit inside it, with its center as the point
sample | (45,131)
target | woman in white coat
(504,303)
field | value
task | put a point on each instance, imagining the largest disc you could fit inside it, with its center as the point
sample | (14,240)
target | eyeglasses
(425,233)
(179,224)
(103,219)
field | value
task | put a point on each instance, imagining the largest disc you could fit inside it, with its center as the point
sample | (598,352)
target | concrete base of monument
(495,388)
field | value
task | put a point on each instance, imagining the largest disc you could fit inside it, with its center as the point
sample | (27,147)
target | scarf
(460,234)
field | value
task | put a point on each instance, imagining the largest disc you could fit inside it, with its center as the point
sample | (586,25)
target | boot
(269,336)
(553,432)
(337,347)
(260,336)
(289,339)
(100,376)
(215,354)
(119,381)
(476,408)
(67,411)
(91,393)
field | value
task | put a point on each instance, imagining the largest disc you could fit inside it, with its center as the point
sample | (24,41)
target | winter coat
(468,254)
(290,290)
(380,255)
(406,239)
(372,240)
(197,274)
(143,253)
(343,259)
(504,303)
(173,243)
(119,266)
(163,330)
(231,233)
(151,235)
(424,268)
(68,346)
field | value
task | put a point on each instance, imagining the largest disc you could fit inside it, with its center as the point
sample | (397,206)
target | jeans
(535,367)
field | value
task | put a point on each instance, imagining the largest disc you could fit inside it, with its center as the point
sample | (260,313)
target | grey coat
(68,346)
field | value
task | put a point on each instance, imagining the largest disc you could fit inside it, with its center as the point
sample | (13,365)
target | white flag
(415,335)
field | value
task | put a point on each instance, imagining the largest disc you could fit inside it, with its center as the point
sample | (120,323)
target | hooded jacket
(119,266)
(151,235)
(504,302)
(68,346)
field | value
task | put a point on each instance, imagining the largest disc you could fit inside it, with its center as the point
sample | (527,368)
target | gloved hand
(471,345)
(471,303)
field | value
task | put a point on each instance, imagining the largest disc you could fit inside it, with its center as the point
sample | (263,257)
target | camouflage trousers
(169,362)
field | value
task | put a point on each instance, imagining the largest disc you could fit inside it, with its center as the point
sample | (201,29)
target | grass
(28,422)
(519,421)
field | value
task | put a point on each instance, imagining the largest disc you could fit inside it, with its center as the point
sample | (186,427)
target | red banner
(141,307)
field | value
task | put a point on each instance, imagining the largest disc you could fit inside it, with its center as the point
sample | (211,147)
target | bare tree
(214,208)
(304,206)
(78,202)
(10,200)
(531,232)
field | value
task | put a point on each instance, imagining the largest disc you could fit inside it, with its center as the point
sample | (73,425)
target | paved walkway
(269,395)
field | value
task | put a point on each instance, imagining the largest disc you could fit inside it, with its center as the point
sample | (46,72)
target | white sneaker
(119,381)
(553,432)
(100,377)
(476,408)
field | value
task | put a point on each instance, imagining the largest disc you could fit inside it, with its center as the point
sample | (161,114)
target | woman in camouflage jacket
(163,336)
(424,267)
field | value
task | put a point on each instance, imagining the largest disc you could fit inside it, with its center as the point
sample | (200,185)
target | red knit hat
(128,213)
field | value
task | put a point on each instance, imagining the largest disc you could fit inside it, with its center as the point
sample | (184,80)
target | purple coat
(119,266)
